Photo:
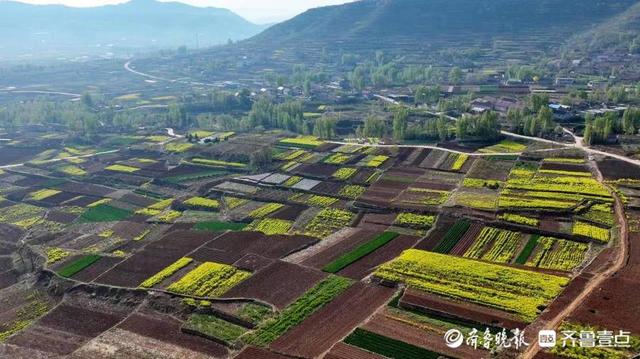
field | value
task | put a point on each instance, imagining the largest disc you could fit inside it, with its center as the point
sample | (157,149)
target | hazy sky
(260,11)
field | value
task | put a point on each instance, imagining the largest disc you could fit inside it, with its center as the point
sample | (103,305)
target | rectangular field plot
(513,290)
(323,328)
(167,330)
(279,284)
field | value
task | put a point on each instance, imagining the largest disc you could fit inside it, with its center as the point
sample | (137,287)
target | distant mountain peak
(134,25)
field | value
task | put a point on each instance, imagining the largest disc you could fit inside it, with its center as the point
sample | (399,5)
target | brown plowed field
(369,263)
(257,353)
(613,169)
(65,329)
(397,330)
(467,240)
(96,269)
(289,213)
(279,284)
(564,167)
(139,267)
(330,254)
(345,351)
(320,331)
(214,255)
(428,303)
(10,233)
(442,227)
(252,262)
(167,329)
(241,243)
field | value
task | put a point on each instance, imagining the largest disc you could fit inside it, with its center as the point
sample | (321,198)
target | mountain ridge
(138,24)
(427,21)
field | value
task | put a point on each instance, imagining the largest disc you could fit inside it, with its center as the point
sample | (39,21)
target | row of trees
(485,127)
(599,129)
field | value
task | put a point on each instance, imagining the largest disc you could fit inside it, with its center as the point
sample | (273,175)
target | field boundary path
(596,281)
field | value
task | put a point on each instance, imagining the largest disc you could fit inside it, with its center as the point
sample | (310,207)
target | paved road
(127,66)
(479,154)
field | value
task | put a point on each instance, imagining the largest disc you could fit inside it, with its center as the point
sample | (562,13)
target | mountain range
(441,23)
(55,30)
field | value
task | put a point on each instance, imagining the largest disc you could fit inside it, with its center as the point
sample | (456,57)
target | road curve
(127,67)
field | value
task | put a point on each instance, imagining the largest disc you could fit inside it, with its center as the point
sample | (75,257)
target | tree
(261,158)
(515,120)
(325,127)
(380,57)
(442,128)
(400,121)
(545,120)
(374,126)
(358,78)
(87,100)
(455,76)
(427,94)
(484,127)
(631,121)
(538,101)
(306,87)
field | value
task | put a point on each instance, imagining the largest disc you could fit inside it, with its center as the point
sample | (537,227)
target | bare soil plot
(257,353)
(429,303)
(9,233)
(252,262)
(490,169)
(316,170)
(167,329)
(328,188)
(48,341)
(137,200)
(320,331)
(564,167)
(364,266)
(66,328)
(7,248)
(289,213)
(406,333)
(139,267)
(214,255)
(279,284)
(613,169)
(154,257)
(58,199)
(443,225)
(362,176)
(467,240)
(374,218)
(61,217)
(331,253)
(241,243)
(96,269)
(345,351)
(86,189)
